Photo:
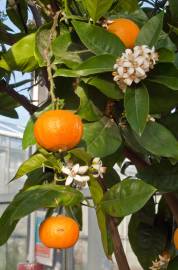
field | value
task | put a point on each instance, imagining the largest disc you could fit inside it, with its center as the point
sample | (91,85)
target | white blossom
(160,263)
(75,173)
(97,165)
(134,65)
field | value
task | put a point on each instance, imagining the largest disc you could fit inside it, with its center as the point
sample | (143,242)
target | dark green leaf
(28,135)
(174,10)
(102,137)
(87,109)
(147,239)
(166,55)
(97,195)
(34,162)
(173,264)
(126,197)
(94,65)
(159,141)
(75,212)
(137,107)
(109,89)
(165,74)
(20,56)
(97,8)
(92,36)
(163,176)
(151,30)
(81,154)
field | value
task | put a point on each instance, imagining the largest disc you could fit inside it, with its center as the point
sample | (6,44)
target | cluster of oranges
(61,130)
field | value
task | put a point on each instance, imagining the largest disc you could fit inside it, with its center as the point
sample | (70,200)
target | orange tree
(112,73)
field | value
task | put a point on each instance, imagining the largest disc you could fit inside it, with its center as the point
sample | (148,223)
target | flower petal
(66,170)
(69,180)
(83,169)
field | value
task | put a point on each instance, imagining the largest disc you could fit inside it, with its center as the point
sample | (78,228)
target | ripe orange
(175,238)
(58,130)
(126,30)
(59,232)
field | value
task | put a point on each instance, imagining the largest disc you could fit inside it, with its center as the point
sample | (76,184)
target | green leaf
(87,109)
(173,264)
(126,197)
(20,56)
(147,239)
(97,195)
(8,105)
(165,74)
(44,196)
(34,162)
(81,154)
(75,212)
(28,135)
(93,65)
(128,5)
(158,94)
(156,139)
(41,43)
(165,42)
(162,176)
(151,30)
(19,19)
(173,5)
(97,8)
(102,138)
(166,55)
(136,104)
(92,36)
(61,43)
(108,88)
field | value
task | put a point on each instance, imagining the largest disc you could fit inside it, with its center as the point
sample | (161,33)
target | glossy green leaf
(61,43)
(87,109)
(28,135)
(109,89)
(159,141)
(97,8)
(81,154)
(165,42)
(165,74)
(173,264)
(136,104)
(102,138)
(93,65)
(97,195)
(128,5)
(163,176)
(44,196)
(126,197)
(34,162)
(18,13)
(92,36)
(147,239)
(75,212)
(8,106)
(151,30)
(20,56)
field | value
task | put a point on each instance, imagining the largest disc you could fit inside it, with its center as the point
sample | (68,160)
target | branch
(170,197)
(18,97)
(117,243)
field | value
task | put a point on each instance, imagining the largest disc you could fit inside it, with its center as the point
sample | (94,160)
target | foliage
(68,48)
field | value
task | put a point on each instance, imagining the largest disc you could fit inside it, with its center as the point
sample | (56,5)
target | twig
(47,56)
(18,97)
(117,243)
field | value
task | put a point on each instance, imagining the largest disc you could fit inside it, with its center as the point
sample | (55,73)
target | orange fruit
(59,232)
(175,238)
(58,130)
(126,30)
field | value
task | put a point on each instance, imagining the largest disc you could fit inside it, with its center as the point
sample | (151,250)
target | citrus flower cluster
(78,174)
(134,65)
(162,263)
